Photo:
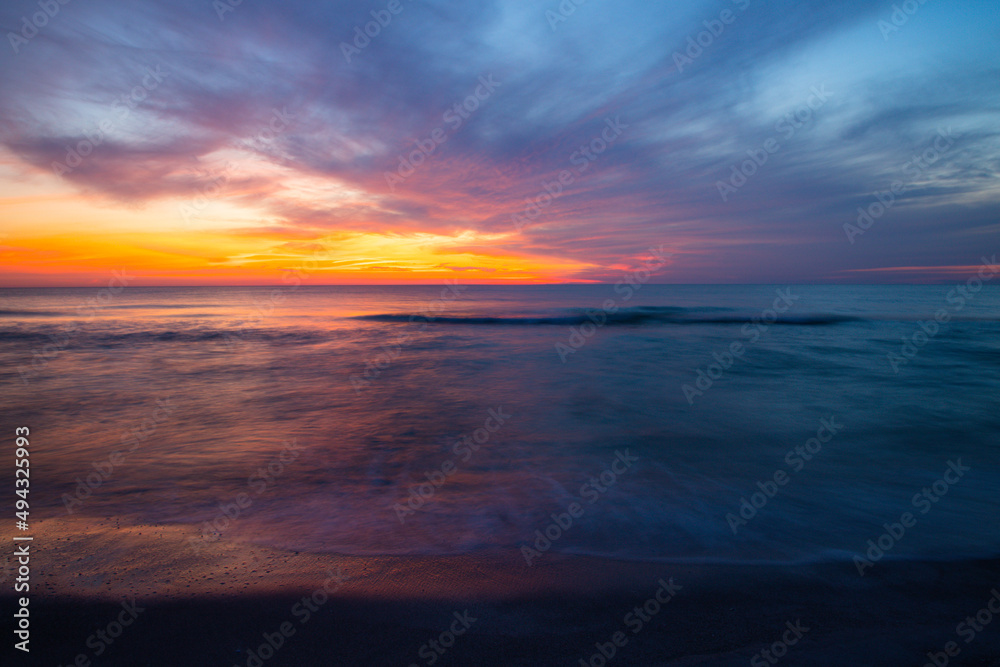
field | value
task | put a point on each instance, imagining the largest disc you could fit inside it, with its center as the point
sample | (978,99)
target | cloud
(350,124)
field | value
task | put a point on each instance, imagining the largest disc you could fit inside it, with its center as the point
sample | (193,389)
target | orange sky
(54,235)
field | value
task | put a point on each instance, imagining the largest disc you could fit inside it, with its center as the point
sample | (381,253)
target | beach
(220,609)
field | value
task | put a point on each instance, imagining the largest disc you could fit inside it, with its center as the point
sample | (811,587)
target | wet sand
(217,607)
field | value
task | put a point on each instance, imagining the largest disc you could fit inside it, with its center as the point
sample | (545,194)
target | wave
(82,310)
(64,338)
(627,317)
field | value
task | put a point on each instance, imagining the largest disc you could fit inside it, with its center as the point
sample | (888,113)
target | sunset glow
(227,149)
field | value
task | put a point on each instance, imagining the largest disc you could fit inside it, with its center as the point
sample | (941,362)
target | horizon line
(473,284)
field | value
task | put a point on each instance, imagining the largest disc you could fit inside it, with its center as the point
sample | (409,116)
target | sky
(422,141)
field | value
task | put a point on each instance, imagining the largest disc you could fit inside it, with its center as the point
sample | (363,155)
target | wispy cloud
(351,121)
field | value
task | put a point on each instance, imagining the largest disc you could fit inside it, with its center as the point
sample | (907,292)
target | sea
(681,423)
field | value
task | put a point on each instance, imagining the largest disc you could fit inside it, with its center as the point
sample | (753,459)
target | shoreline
(564,608)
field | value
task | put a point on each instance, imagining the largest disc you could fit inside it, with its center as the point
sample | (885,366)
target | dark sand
(210,609)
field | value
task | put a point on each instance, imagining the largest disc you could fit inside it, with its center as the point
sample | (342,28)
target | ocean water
(460,419)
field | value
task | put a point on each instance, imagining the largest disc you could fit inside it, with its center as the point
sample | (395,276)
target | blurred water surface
(378,403)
